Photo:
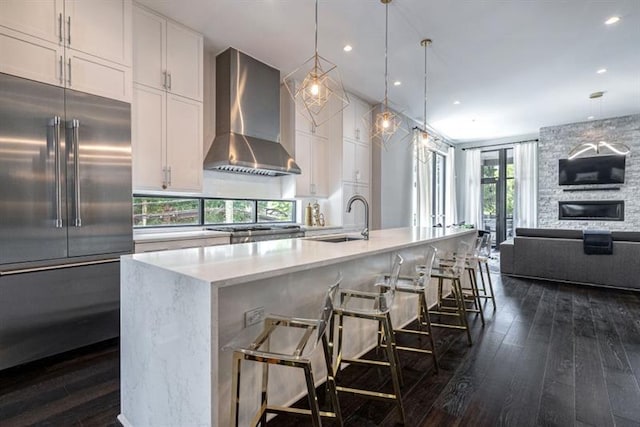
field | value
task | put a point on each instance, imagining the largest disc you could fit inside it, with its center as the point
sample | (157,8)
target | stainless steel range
(260,233)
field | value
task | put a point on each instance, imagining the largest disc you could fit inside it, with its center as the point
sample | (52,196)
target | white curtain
(421,183)
(450,210)
(473,188)
(525,165)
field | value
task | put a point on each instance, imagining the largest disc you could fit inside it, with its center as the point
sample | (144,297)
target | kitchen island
(179,308)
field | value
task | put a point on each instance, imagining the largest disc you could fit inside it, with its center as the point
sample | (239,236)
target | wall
(556,142)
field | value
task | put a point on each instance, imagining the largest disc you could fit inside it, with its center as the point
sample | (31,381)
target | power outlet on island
(254,316)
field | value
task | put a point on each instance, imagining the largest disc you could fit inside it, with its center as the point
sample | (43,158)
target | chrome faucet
(365,232)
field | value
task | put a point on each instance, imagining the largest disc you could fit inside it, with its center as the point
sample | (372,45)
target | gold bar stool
(416,285)
(471,293)
(454,274)
(373,306)
(482,259)
(312,332)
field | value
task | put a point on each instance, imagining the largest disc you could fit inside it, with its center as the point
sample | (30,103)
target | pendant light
(422,148)
(386,121)
(319,95)
(600,147)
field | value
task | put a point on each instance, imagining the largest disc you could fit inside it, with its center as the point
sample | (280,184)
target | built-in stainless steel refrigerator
(65,217)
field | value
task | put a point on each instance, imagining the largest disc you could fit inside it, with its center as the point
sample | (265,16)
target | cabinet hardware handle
(75,124)
(69,30)
(61,70)
(55,267)
(169,169)
(60,27)
(55,123)
(164,81)
(358,134)
(69,79)
(169,74)
(164,178)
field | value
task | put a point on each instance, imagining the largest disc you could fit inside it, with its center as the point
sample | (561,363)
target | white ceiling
(514,65)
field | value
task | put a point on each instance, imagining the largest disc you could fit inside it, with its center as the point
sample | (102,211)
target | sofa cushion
(554,233)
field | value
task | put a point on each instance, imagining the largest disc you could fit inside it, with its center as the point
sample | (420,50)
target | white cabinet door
(184,62)
(320,169)
(148,116)
(100,27)
(184,144)
(303,159)
(31,58)
(362,168)
(90,74)
(363,121)
(348,160)
(42,19)
(149,47)
(348,119)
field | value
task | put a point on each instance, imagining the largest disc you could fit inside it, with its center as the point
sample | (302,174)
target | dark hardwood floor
(551,354)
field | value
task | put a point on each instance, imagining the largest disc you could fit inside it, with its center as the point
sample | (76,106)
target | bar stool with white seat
(373,306)
(454,274)
(259,348)
(417,285)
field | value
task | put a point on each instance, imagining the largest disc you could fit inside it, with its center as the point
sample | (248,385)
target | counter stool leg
(313,399)
(462,308)
(476,294)
(440,284)
(331,382)
(391,341)
(424,315)
(263,397)
(493,297)
(392,355)
(235,389)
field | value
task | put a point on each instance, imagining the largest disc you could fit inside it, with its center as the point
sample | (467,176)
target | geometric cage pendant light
(386,122)
(316,86)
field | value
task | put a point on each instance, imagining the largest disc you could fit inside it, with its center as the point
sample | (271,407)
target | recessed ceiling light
(397,83)
(590,118)
(601,71)
(612,20)
(456,102)
(347,48)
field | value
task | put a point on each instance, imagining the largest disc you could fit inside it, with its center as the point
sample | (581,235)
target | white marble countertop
(168,235)
(231,264)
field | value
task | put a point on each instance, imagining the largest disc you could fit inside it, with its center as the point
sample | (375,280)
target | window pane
(490,164)
(220,211)
(162,211)
(276,211)
(510,170)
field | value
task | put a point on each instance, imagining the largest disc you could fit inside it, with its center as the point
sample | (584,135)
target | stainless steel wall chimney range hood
(248,118)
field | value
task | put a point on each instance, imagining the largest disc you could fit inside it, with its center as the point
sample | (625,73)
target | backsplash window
(165,211)
(221,211)
(155,211)
(276,211)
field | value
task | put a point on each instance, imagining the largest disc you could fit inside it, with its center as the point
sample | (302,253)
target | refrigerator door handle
(57,158)
(75,124)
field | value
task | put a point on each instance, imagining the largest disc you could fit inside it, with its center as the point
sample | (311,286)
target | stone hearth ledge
(178,308)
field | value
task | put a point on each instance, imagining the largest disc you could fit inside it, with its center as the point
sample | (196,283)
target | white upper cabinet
(80,44)
(184,62)
(356,120)
(311,156)
(42,19)
(167,55)
(356,160)
(168,124)
(100,27)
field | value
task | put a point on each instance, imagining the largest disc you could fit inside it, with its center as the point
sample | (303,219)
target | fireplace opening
(601,210)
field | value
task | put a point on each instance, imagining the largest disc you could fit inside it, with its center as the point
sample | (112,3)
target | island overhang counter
(179,308)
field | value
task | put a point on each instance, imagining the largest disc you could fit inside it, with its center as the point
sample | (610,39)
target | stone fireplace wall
(556,142)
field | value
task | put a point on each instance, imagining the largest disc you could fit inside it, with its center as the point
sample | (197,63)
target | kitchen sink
(337,239)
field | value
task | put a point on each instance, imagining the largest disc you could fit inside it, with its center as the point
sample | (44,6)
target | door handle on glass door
(75,124)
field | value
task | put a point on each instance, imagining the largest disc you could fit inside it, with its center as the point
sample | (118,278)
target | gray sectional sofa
(558,255)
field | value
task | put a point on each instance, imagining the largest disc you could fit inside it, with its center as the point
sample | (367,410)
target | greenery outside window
(155,211)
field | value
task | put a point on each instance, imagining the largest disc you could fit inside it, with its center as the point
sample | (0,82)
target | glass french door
(498,193)
(438,190)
